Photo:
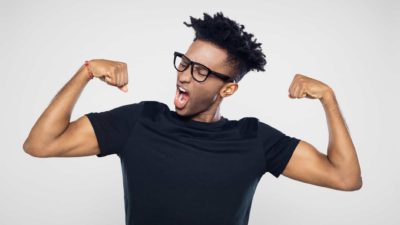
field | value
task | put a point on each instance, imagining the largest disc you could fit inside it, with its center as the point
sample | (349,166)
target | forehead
(207,53)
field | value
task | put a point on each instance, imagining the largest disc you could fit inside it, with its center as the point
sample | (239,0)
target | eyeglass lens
(199,72)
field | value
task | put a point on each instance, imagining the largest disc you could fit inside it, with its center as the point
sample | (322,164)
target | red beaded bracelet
(90,72)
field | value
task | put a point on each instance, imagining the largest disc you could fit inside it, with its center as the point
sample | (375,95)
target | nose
(185,76)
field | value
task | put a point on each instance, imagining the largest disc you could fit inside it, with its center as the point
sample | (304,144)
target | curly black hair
(244,54)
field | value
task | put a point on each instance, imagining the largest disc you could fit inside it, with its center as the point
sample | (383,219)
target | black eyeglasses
(199,71)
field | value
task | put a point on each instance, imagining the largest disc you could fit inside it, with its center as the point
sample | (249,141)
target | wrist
(88,69)
(83,73)
(328,98)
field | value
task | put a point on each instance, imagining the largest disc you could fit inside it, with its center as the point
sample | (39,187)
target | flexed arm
(339,169)
(53,134)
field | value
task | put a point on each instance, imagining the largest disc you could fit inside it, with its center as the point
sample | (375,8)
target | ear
(229,89)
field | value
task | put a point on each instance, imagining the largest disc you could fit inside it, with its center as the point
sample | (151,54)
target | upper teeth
(181,89)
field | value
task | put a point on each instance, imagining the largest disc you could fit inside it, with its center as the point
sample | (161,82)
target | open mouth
(181,97)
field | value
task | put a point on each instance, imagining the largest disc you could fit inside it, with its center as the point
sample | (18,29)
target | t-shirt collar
(198,124)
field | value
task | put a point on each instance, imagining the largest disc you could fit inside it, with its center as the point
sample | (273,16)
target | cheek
(204,98)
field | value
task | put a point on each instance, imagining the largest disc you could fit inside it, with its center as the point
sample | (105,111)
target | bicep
(78,139)
(309,165)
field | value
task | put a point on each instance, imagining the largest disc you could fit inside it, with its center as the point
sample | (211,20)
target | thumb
(124,88)
(107,79)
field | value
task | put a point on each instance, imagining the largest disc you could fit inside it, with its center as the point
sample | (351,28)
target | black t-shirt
(181,171)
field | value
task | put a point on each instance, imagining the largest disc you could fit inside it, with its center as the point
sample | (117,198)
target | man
(192,165)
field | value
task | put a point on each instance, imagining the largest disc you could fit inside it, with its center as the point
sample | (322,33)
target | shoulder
(151,106)
(253,127)
(134,109)
(270,134)
(248,126)
(144,106)
(151,109)
(267,130)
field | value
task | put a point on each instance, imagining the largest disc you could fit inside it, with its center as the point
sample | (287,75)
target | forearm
(56,117)
(341,151)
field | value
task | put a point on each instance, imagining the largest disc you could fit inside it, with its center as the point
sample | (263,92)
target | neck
(210,115)
(207,117)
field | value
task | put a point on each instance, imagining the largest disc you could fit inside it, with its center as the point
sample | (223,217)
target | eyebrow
(196,61)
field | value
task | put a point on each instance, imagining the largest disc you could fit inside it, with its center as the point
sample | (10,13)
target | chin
(180,111)
(183,112)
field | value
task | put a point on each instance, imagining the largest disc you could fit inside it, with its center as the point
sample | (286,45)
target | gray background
(350,45)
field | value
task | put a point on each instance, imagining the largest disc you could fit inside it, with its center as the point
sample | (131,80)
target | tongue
(181,99)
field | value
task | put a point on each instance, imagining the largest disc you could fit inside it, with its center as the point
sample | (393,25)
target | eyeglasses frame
(221,76)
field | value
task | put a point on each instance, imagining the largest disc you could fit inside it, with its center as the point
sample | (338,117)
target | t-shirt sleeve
(113,127)
(278,148)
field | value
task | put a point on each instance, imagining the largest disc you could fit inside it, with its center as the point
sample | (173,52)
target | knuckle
(114,68)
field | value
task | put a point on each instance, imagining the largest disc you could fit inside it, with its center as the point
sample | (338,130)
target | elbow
(34,151)
(353,185)
(27,148)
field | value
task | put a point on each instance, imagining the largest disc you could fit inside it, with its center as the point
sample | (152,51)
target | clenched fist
(112,72)
(304,86)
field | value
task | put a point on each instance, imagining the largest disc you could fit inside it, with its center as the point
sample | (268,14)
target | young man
(192,165)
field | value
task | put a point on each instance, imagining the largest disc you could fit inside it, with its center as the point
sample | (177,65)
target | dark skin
(54,135)
(339,169)
(206,97)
